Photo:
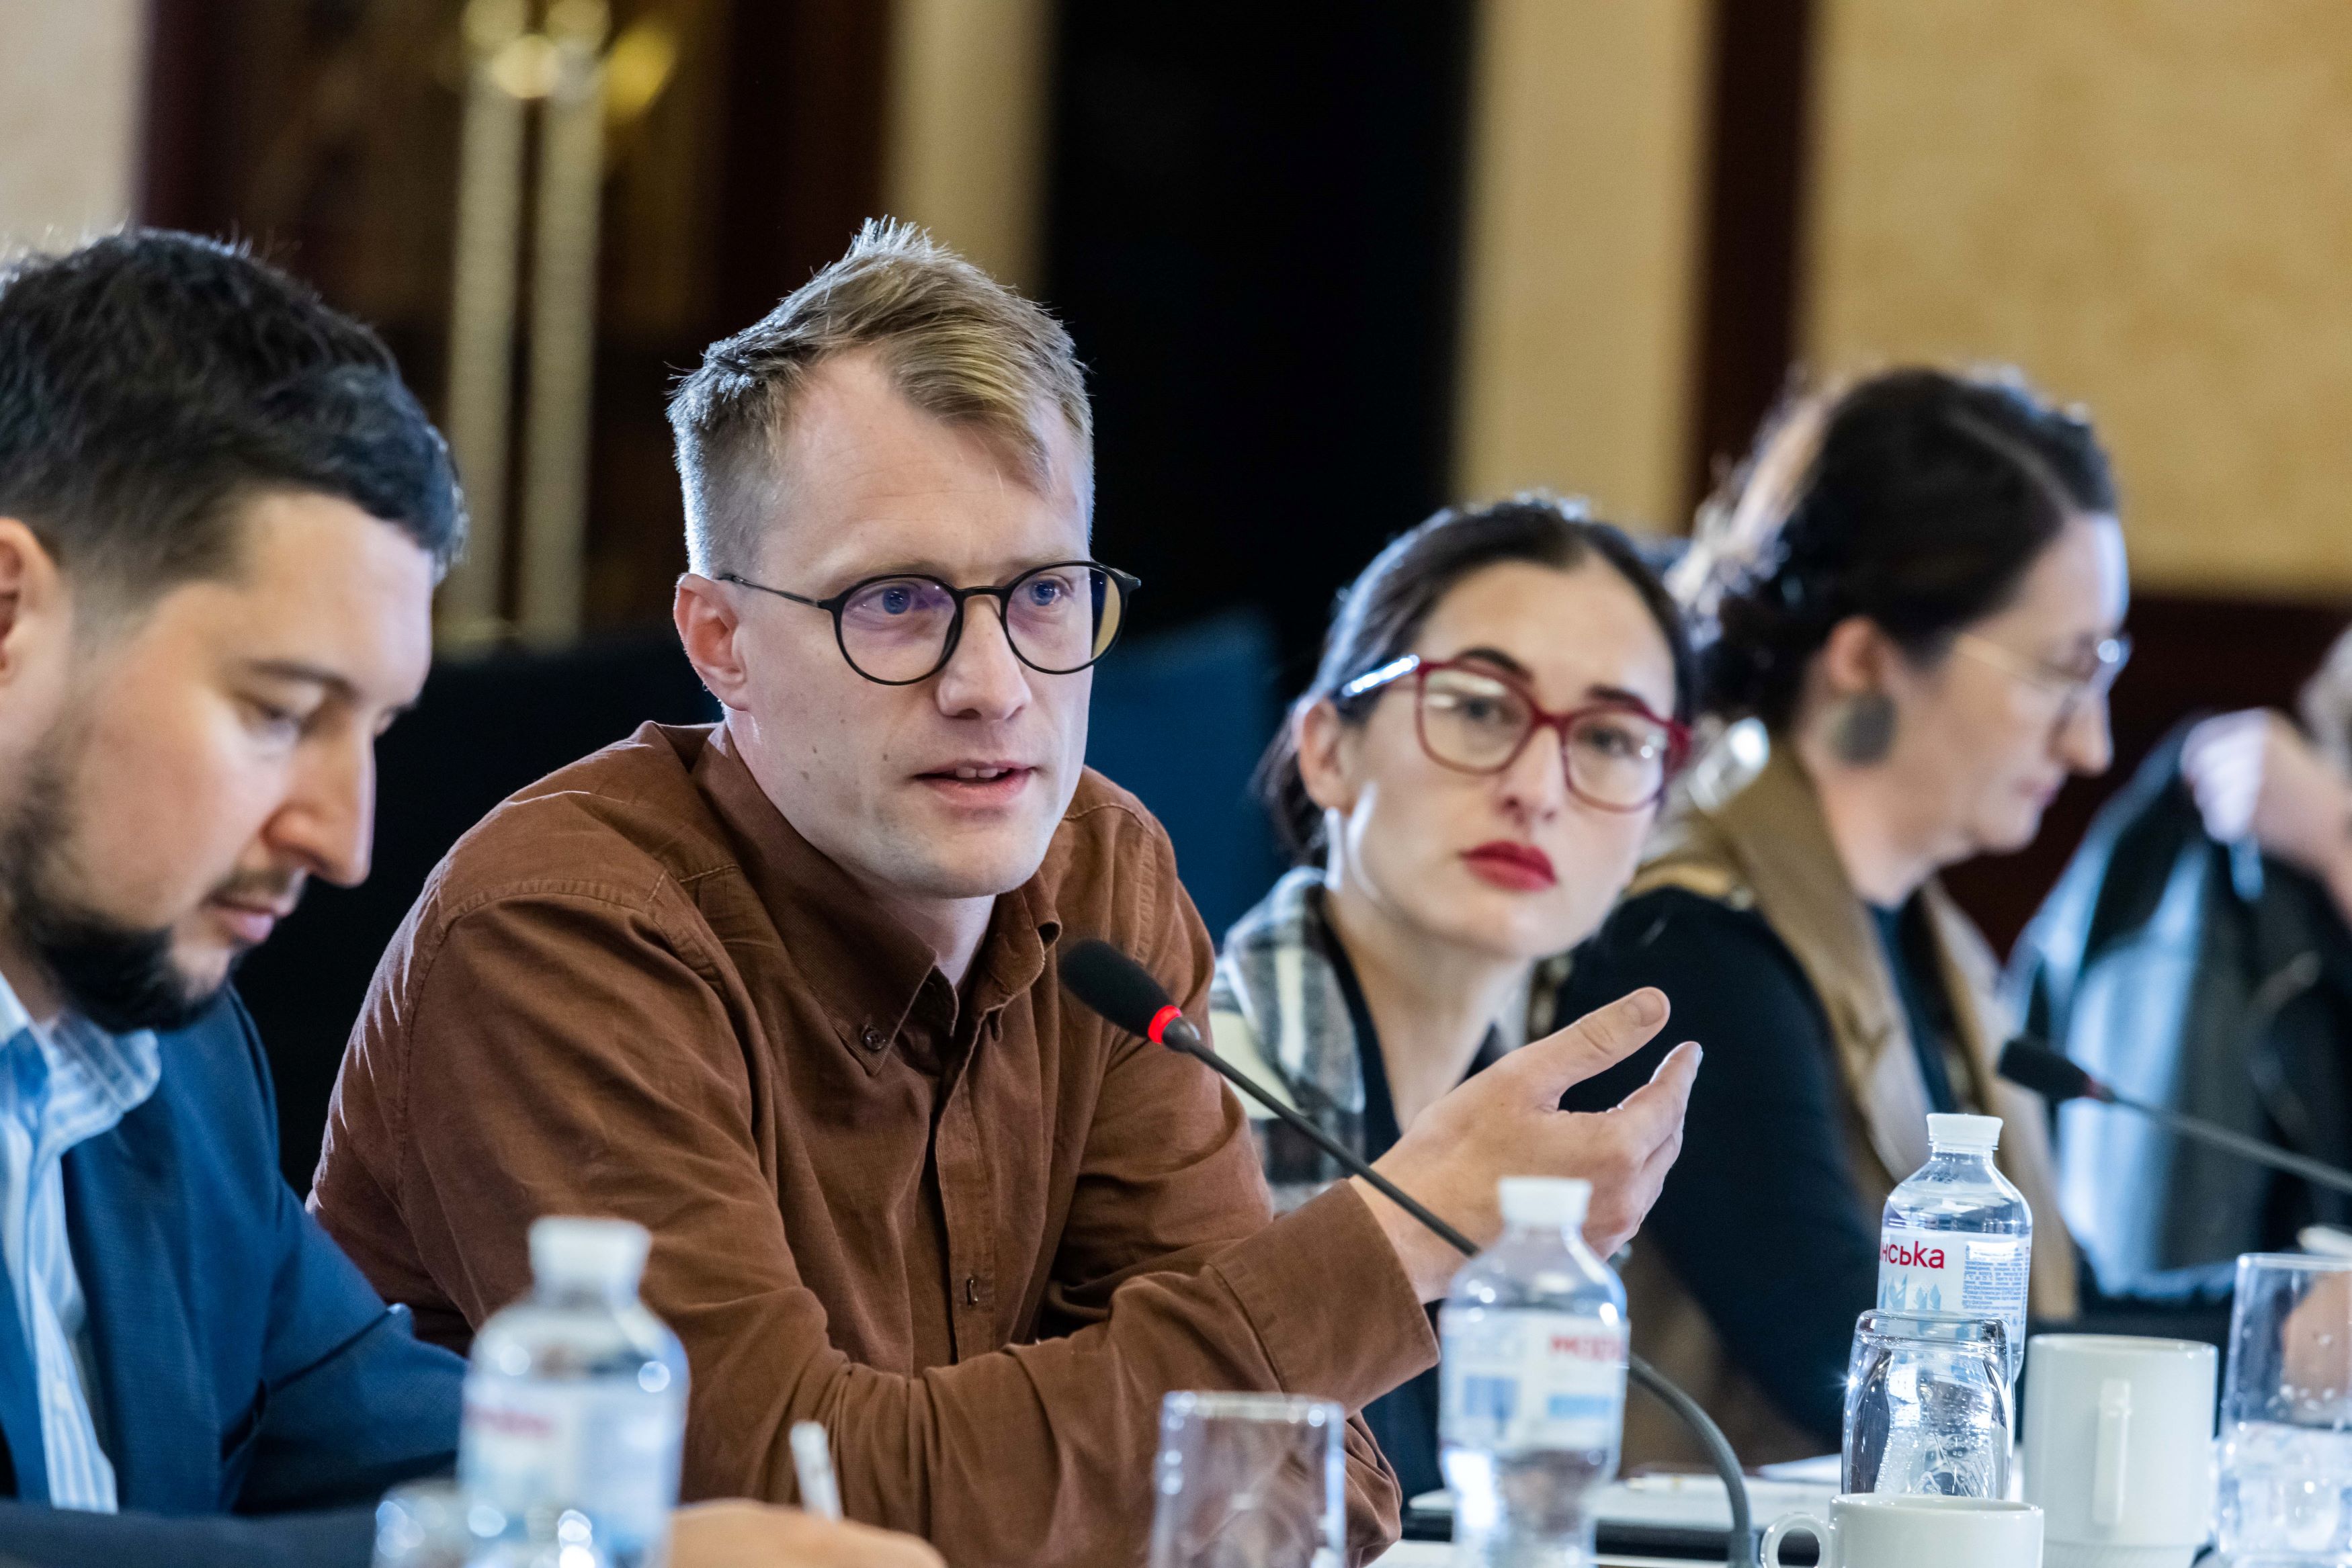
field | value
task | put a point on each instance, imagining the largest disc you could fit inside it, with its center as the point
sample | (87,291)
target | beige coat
(1757,840)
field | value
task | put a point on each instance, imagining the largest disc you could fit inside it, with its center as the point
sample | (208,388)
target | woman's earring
(1863,730)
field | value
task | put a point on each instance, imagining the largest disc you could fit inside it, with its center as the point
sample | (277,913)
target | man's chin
(980,866)
(123,985)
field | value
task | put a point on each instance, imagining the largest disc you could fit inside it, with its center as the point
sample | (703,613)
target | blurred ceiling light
(527,67)
(491,25)
(581,96)
(637,66)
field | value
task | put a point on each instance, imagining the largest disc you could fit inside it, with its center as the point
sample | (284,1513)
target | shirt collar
(870,973)
(122,1069)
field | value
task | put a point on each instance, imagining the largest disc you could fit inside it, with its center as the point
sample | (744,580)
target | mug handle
(1788,1525)
(2107,1465)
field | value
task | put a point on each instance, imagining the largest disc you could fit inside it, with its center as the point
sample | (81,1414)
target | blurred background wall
(70,112)
(1332,265)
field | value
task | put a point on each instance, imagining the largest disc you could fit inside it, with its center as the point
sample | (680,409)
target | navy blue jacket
(256,1395)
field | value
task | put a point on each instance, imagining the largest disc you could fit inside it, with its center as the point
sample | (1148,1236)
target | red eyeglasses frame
(1679,735)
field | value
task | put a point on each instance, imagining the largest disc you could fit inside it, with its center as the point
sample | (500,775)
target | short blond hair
(958,344)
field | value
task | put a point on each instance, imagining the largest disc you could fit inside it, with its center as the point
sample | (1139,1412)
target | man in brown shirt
(783,990)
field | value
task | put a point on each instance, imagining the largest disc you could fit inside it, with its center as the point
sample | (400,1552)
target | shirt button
(871,1038)
(972,1289)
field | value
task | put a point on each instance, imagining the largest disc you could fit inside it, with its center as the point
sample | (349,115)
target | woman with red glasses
(1916,592)
(1466,786)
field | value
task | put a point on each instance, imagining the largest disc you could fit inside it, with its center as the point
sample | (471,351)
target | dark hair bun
(1919,498)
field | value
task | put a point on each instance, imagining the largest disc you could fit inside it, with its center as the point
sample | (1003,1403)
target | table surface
(1437,1555)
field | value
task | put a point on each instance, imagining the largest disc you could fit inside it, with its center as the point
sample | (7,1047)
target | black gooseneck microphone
(1123,991)
(2033,1065)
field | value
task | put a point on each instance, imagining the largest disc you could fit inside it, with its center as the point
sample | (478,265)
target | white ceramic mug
(2119,1448)
(1884,1529)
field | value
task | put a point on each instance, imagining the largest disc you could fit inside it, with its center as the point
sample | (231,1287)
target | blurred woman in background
(1916,596)
(1467,784)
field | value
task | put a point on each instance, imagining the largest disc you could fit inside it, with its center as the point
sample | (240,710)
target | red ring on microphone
(1161,1020)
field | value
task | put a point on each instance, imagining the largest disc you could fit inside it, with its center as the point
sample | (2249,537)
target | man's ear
(1325,744)
(710,628)
(33,605)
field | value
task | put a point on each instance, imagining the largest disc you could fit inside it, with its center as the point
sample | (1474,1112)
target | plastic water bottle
(1534,1384)
(1958,1237)
(576,1403)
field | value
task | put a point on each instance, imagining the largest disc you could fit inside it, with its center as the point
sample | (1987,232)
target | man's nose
(328,820)
(984,678)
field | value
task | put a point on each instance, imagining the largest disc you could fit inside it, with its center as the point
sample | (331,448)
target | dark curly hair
(1919,498)
(1381,613)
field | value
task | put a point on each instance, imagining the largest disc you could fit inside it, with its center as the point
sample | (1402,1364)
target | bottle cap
(1946,1131)
(605,1254)
(1556,1203)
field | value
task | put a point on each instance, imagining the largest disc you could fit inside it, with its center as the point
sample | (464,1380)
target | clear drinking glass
(2285,1447)
(1929,1410)
(424,1524)
(1250,1480)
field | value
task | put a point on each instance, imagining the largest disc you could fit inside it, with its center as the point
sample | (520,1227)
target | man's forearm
(1042,1453)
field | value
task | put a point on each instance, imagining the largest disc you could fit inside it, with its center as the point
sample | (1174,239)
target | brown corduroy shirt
(978,1237)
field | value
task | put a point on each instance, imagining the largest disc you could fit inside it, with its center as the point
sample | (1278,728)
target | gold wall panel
(1586,147)
(964,141)
(2148,204)
(70,88)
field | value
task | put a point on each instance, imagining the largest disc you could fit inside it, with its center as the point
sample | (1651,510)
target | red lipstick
(1507,863)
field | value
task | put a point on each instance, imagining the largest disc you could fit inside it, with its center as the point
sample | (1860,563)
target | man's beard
(119,976)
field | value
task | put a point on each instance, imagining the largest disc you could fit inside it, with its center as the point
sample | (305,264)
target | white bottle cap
(1946,1131)
(1556,1203)
(602,1254)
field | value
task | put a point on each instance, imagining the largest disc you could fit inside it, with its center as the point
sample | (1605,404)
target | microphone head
(1115,986)
(2035,1066)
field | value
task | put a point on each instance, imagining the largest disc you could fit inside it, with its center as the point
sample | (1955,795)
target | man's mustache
(275,889)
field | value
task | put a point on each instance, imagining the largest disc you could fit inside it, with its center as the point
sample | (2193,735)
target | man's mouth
(251,923)
(978,782)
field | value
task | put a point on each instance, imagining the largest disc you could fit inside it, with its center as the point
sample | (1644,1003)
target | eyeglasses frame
(1679,735)
(2074,694)
(1128,583)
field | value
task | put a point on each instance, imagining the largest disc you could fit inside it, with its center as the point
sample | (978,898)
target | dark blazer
(243,1367)
(2212,980)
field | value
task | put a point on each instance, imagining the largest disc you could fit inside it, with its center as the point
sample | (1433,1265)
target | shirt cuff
(1333,1308)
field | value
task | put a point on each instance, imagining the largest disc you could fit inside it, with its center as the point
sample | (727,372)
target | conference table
(1439,1554)
(1662,1519)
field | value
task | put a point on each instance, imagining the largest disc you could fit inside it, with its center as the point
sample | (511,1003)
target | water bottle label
(1521,1381)
(1954,1271)
(612,1453)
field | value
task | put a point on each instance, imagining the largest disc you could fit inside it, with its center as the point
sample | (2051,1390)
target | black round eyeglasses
(903,628)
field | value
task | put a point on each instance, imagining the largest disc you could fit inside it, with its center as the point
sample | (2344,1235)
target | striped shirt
(59,1084)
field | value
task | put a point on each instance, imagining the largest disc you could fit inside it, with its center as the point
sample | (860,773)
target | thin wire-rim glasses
(1107,589)
(1564,724)
(2074,692)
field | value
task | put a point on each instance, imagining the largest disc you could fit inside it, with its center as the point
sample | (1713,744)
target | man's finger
(1600,1039)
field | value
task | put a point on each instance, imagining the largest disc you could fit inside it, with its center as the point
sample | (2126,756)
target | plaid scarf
(1276,1009)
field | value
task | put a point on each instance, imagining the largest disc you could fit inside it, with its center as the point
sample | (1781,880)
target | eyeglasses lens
(893,629)
(1617,758)
(2087,690)
(1062,618)
(1471,721)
